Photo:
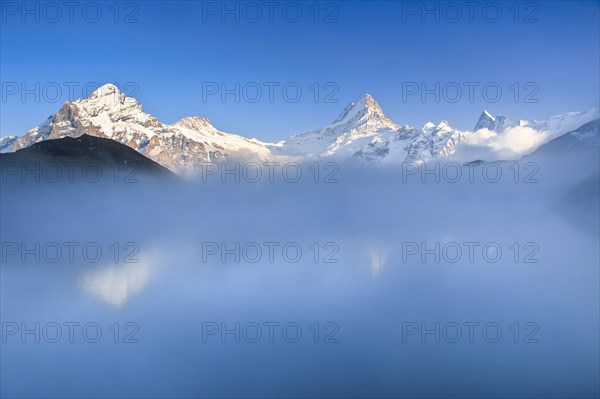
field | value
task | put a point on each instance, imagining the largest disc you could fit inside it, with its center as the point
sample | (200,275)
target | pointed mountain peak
(367,97)
(486,120)
(108,98)
(368,102)
(485,113)
(365,107)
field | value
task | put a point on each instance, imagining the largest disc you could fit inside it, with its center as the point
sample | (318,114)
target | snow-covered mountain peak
(367,113)
(443,125)
(108,103)
(108,98)
(105,90)
(487,114)
(368,101)
(486,120)
(368,105)
(428,126)
(196,123)
(360,120)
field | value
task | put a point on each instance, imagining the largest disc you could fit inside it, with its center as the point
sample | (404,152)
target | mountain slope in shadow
(90,157)
(576,156)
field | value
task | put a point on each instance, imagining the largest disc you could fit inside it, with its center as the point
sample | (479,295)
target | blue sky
(172,52)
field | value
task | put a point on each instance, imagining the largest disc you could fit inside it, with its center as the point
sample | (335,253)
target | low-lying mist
(432,280)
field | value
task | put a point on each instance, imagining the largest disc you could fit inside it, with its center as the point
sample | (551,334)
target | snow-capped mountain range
(108,113)
(362,132)
(558,123)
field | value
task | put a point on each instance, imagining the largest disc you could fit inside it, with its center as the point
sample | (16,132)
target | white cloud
(512,143)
